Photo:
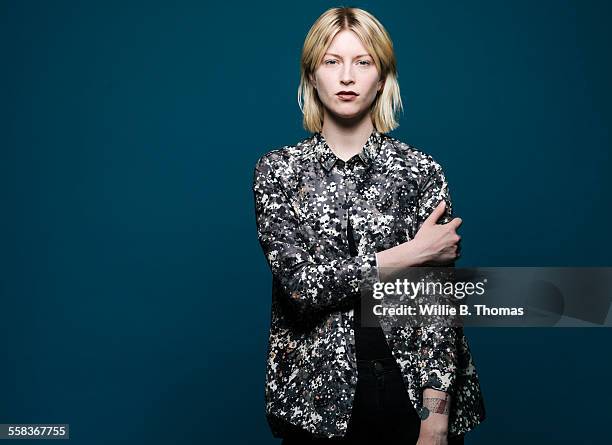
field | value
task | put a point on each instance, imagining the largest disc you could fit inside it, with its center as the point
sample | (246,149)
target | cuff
(377,269)
(369,269)
(436,379)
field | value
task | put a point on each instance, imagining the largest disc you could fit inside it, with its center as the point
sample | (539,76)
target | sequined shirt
(302,194)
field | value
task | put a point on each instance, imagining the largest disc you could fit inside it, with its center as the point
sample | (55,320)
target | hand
(437,244)
(427,437)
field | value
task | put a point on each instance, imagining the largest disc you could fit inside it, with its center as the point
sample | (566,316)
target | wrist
(430,428)
(435,406)
(413,254)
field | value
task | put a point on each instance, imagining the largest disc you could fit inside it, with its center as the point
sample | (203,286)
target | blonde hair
(375,39)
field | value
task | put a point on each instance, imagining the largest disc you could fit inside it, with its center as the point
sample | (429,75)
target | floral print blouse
(302,196)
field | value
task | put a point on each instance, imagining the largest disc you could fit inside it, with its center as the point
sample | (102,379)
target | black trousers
(382,411)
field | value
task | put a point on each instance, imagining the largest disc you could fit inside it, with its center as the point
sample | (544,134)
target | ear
(381,84)
(312,81)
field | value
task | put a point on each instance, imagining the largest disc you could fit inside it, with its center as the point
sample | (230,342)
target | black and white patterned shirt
(304,196)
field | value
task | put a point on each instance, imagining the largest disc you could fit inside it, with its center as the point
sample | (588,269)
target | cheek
(324,80)
(324,91)
(372,92)
(372,82)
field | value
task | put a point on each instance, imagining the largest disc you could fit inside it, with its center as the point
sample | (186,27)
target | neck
(347,137)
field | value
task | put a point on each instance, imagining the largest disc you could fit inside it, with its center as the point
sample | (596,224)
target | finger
(436,214)
(456,222)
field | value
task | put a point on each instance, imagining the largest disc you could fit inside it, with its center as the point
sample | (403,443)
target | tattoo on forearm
(436,404)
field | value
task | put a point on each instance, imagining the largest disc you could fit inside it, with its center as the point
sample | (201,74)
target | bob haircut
(375,39)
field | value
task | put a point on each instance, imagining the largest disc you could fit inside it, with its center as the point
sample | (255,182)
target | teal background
(135,297)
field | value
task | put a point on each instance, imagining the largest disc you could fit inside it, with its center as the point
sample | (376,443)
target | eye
(365,62)
(327,62)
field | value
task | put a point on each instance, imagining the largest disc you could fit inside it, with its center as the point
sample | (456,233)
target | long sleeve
(309,285)
(437,344)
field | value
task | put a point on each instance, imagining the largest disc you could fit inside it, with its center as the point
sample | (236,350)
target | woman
(335,212)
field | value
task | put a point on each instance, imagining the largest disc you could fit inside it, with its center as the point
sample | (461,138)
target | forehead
(346,42)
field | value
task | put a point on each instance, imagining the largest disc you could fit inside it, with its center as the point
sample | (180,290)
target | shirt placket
(348,183)
(346,188)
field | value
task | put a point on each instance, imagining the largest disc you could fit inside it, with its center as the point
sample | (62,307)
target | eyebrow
(336,55)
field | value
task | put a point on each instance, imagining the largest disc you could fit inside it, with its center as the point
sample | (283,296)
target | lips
(347,96)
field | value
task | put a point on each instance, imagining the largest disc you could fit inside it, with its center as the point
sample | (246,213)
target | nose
(347,75)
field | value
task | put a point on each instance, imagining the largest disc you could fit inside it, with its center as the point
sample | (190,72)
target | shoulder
(404,155)
(285,156)
(283,165)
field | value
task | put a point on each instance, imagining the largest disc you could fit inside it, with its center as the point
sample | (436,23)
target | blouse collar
(328,158)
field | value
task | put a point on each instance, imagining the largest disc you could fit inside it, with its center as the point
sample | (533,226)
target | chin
(346,116)
(343,112)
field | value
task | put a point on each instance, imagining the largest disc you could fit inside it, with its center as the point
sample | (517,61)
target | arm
(437,344)
(309,285)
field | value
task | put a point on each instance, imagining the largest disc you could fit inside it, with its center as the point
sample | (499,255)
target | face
(347,67)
